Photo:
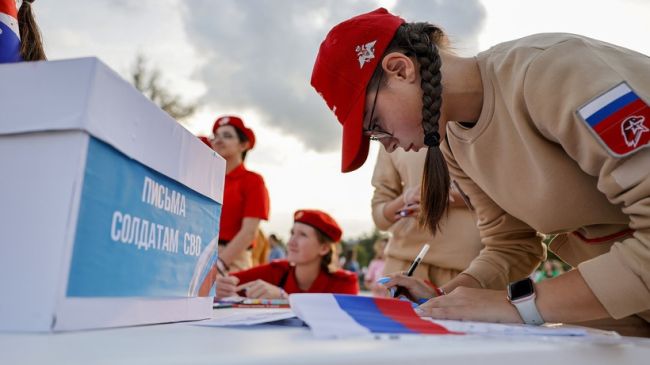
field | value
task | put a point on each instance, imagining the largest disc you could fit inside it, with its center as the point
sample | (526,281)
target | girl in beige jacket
(548,133)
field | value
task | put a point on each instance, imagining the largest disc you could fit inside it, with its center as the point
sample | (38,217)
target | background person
(309,267)
(375,268)
(245,197)
(261,249)
(278,250)
(396,207)
(20,38)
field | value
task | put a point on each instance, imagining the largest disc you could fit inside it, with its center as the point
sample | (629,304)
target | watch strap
(528,311)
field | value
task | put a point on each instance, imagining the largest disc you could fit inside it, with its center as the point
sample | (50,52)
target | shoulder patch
(619,119)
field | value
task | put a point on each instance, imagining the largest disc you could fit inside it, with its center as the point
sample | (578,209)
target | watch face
(520,289)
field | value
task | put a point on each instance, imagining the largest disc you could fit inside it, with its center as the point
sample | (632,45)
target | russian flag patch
(620,119)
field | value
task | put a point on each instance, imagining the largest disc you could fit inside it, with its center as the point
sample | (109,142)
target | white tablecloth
(183,343)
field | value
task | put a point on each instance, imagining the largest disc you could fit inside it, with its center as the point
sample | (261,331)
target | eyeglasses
(374,132)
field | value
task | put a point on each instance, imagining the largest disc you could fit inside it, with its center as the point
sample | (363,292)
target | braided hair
(31,43)
(421,41)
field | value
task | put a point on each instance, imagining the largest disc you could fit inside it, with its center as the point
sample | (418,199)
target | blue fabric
(364,311)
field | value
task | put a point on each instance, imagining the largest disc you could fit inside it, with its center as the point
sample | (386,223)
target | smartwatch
(521,294)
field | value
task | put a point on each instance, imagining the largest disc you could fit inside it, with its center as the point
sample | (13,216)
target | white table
(182,343)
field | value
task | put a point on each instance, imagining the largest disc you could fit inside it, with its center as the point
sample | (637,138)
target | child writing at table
(311,252)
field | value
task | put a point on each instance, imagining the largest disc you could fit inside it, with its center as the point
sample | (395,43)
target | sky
(253,58)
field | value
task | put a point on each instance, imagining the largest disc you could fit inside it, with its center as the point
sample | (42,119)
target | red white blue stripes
(619,118)
(9,33)
(335,315)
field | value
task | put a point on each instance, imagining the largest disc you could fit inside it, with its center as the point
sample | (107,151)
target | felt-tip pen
(413,266)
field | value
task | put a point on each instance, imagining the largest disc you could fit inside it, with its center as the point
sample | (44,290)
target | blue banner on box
(139,233)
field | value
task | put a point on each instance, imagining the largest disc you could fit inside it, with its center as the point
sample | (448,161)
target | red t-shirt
(244,195)
(339,282)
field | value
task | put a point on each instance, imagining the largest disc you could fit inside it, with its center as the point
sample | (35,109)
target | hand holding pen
(411,200)
(226,284)
(412,268)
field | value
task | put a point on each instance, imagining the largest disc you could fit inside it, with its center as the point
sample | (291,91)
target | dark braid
(427,56)
(31,43)
(421,40)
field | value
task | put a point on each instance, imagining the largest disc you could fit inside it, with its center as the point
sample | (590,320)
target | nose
(389,144)
(291,241)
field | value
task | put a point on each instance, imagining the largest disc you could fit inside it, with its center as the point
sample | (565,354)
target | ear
(399,66)
(325,248)
(245,146)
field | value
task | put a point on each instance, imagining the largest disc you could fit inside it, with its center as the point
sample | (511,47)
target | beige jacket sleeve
(512,248)
(388,186)
(560,81)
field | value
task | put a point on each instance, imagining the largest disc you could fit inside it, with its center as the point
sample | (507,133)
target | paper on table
(231,299)
(483,328)
(246,317)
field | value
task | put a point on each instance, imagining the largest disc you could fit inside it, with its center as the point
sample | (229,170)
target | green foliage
(550,255)
(148,81)
(364,246)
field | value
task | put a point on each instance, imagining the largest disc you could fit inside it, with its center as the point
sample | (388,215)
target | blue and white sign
(140,233)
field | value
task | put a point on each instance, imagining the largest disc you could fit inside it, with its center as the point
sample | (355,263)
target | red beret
(205,140)
(237,123)
(321,221)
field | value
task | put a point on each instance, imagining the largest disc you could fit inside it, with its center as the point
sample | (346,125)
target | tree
(364,245)
(148,81)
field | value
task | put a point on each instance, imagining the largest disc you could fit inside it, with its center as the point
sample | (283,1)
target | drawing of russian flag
(339,316)
(9,33)
(620,119)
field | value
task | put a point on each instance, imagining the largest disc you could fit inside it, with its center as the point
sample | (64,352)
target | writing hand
(226,286)
(415,289)
(261,289)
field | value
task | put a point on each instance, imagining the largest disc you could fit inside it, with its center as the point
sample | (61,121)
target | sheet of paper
(231,299)
(246,317)
(482,328)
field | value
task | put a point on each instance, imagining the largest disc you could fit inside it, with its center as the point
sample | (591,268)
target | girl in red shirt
(245,197)
(307,269)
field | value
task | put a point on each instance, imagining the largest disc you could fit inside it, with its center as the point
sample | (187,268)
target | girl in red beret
(309,267)
(245,197)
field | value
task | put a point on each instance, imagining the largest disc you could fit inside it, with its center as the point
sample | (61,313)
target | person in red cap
(205,140)
(245,198)
(20,38)
(548,133)
(310,266)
